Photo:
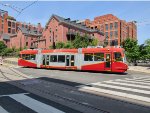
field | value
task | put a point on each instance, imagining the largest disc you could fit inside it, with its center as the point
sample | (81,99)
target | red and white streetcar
(87,59)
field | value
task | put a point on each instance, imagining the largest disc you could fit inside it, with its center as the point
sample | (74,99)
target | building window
(13,25)
(50,30)
(13,31)
(50,38)
(106,26)
(116,25)
(56,29)
(106,34)
(116,34)
(9,30)
(26,43)
(111,34)
(111,26)
(56,37)
(2,26)
(26,26)
(9,24)
(88,57)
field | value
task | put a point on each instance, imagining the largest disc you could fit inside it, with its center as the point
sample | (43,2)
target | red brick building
(59,29)
(115,30)
(9,26)
(24,38)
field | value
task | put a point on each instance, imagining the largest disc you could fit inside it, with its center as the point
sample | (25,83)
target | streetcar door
(44,60)
(108,61)
(69,60)
(47,60)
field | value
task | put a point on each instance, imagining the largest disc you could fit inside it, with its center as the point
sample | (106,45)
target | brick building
(24,38)
(59,29)
(9,27)
(115,30)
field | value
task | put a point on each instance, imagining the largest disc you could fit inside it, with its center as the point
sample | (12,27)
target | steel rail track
(15,83)
(20,85)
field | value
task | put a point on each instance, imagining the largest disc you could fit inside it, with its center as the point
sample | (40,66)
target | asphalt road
(78,76)
(72,92)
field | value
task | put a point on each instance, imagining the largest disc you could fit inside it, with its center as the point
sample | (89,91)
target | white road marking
(122,88)
(126,84)
(121,94)
(133,82)
(2,110)
(138,78)
(34,104)
(141,80)
(13,94)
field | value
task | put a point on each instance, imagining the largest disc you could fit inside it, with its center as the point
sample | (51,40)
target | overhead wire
(17,9)
(26,7)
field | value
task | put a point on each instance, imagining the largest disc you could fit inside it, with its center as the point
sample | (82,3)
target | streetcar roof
(84,50)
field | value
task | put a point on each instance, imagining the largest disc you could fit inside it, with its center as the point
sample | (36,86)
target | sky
(41,11)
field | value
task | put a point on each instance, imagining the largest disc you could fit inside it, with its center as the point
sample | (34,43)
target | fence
(10,62)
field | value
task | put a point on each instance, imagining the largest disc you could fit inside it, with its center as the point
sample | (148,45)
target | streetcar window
(61,58)
(98,56)
(26,56)
(88,57)
(32,57)
(53,58)
(117,56)
(23,56)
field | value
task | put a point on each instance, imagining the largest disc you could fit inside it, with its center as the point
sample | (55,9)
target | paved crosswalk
(30,103)
(137,88)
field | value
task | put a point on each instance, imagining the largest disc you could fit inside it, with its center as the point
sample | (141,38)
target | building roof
(74,24)
(6,37)
(27,31)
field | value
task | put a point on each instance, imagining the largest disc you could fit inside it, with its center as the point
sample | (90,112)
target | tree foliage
(145,51)
(79,42)
(2,46)
(132,50)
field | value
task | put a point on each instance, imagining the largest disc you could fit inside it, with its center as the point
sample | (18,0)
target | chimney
(39,27)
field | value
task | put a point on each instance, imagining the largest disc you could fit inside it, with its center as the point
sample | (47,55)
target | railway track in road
(52,95)
(63,94)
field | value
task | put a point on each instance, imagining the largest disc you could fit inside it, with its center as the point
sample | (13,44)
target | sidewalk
(140,69)
(11,62)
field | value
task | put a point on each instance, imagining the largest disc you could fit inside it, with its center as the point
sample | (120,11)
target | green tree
(79,42)
(68,45)
(94,42)
(7,51)
(60,45)
(84,41)
(2,46)
(132,50)
(147,48)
